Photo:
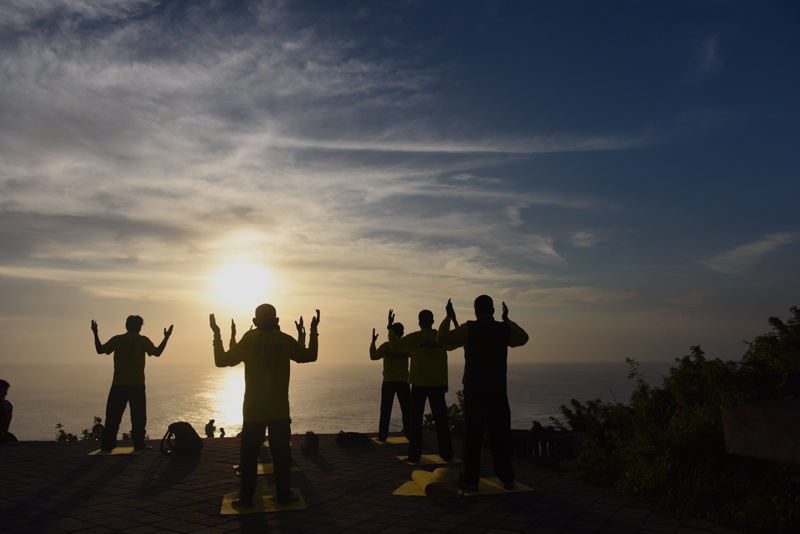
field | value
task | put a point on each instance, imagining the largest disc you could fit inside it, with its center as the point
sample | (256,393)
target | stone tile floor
(52,487)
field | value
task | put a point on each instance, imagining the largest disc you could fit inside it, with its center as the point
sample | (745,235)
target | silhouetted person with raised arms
(127,387)
(266,353)
(485,343)
(428,379)
(395,381)
(6,412)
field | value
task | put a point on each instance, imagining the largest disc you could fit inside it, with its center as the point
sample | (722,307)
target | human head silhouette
(134,324)
(426,319)
(484,306)
(399,329)
(266,317)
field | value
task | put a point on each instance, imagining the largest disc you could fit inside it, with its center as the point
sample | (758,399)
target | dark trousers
(495,412)
(388,391)
(118,398)
(435,396)
(252,438)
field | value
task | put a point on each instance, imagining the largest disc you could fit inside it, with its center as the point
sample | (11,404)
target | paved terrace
(55,487)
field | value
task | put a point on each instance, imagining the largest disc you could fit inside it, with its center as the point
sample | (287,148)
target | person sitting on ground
(6,412)
(221,432)
(97,429)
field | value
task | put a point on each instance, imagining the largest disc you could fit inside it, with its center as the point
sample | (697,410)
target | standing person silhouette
(428,379)
(127,386)
(266,353)
(485,343)
(210,428)
(395,381)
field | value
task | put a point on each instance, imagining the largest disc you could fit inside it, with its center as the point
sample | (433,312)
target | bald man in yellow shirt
(266,353)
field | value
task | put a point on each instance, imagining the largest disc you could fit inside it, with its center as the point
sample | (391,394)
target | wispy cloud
(564,296)
(740,259)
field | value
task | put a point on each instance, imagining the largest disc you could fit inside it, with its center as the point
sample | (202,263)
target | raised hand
(233,329)
(391,319)
(315,321)
(94,326)
(374,336)
(213,322)
(301,331)
(505,312)
(168,333)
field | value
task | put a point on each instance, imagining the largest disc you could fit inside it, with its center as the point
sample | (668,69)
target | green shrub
(667,446)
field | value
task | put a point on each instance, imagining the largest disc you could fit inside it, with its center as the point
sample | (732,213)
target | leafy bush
(667,446)
(455,416)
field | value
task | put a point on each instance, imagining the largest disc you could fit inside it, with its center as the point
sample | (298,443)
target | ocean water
(325,398)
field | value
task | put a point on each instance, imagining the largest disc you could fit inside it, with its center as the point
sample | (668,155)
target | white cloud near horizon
(739,260)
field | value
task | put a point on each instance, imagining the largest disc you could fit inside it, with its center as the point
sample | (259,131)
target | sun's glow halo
(243,283)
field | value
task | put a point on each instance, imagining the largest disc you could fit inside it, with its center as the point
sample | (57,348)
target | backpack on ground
(351,439)
(310,444)
(181,439)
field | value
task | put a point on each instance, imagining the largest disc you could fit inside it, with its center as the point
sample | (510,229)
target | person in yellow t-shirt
(428,378)
(266,353)
(395,381)
(127,386)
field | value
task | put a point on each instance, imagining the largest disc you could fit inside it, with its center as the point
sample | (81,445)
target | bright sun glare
(242,284)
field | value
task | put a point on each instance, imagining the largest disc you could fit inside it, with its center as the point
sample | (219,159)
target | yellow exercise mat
(430,459)
(266,443)
(263,469)
(493,486)
(394,441)
(264,500)
(115,452)
(440,484)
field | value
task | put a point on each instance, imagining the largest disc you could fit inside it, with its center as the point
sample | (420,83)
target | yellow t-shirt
(428,357)
(395,362)
(129,350)
(266,356)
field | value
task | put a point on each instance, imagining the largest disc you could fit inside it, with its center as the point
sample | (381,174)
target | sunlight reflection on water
(324,398)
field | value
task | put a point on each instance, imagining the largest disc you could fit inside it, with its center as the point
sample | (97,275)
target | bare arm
(160,348)
(309,354)
(97,345)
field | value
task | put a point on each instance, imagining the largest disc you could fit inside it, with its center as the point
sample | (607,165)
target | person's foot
(446,458)
(383,438)
(508,485)
(243,503)
(142,448)
(411,460)
(468,487)
(288,500)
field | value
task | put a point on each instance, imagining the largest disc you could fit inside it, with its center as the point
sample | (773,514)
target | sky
(622,174)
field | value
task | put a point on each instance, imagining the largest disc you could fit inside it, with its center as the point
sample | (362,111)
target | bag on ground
(181,439)
(310,444)
(351,439)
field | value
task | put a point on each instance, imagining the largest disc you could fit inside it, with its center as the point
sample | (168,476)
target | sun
(243,283)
